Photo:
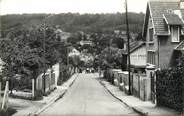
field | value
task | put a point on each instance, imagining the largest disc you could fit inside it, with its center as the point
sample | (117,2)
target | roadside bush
(3,113)
(106,73)
(22,83)
(8,112)
(65,74)
(38,95)
(3,82)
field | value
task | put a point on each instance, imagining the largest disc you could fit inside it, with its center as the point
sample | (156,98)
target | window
(125,46)
(151,34)
(175,33)
(151,57)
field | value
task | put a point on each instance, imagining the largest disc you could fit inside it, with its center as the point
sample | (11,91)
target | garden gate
(153,87)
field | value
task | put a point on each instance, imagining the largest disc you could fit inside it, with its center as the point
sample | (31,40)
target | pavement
(146,108)
(29,107)
(88,97)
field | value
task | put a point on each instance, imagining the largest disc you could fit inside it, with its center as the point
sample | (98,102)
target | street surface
(88,97)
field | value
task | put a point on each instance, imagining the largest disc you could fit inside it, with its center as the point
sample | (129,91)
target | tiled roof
(180,46)
(160,8)
(172,19)
(135,45)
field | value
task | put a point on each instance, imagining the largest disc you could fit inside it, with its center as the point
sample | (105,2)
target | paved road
(88,97)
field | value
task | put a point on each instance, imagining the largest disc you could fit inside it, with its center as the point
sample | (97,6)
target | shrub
(8,112)
(38,95)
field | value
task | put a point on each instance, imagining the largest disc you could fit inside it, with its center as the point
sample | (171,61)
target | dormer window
(175,33)
(181,4)
(151,35)
(170,11)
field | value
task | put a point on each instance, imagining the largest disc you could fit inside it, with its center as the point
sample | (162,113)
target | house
(63,36)
(137,56)
(86,42)
(86,57)
(164,32)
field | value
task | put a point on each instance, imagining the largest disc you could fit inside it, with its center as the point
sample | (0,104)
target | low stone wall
(140,84)
(21,94)
(136,85)
(49,82)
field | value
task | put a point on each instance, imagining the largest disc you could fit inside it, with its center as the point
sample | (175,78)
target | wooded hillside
(76,22)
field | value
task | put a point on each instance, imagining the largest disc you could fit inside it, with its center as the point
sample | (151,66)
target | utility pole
(67,56)
(128,37)
(44,65)
(44,49)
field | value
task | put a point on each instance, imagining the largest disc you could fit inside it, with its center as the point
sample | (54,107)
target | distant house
(62,35)
(82,42)
(164,32)
(74,52)
(1,65)
(138,57)
(86,57)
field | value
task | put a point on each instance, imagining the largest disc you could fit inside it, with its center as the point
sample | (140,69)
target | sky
(73,6)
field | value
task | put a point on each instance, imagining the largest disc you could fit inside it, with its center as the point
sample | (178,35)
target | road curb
(54,100)
(140,111)
(47,105)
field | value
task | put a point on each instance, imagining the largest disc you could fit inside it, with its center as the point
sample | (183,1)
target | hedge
(169,88)
(65,74)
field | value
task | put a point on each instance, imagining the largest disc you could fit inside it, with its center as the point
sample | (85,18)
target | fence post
(182,96)
(0,95)
(50,76)
(139,89)
(155,87)
(5,98)
(33,88)
(132,85)
(145,89)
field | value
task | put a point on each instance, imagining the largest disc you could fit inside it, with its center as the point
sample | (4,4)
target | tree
(73,22)
(119,42)
(75,61)
(111,58)
(22,52)
(74,38)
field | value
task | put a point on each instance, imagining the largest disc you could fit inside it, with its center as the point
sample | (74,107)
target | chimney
(181,4)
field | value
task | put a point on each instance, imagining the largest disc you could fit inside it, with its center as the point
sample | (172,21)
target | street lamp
(44,64)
